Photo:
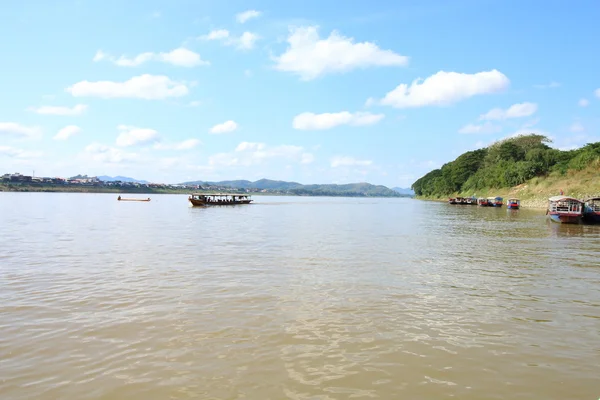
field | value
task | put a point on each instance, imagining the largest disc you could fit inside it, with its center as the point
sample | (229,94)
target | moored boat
(483,202)
(124,199)
(513,204)
(218,199)
(565,210)
(452,201)
(471,201)
(495,201)
(591,211)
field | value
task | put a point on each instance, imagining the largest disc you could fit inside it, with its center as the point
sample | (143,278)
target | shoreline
(533,204)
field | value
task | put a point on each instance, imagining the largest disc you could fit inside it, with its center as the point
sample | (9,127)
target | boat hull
(591,218)
(571,218)
(512,207)
(201,203)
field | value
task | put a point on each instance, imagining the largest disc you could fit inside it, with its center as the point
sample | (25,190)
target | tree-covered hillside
(506,163)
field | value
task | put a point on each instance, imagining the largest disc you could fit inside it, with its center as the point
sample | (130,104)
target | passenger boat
(218,199)
(124,199)
(470,201)
(452,201)
(495,201)
(566,210)
(513,204)
(591,211)
(483,202)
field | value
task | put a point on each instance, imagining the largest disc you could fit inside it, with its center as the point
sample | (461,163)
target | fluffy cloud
(310,57)
(307,158)
(583,102)
(67,132)
(249,153)
(149,87)
(311,121)
(576,127)
(515,111)
(444,88)
(187,144)
(131,135)
(58,110)
(106,154)
(180,57)
(13,152)
(597,92)
(247,15)
(14,129)
(343,161)
(225,127)
(483,128)
(244,42)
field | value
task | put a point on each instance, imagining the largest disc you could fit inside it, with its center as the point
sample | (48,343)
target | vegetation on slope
(507,163)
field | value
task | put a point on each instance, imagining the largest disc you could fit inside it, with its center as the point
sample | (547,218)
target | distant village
(87,181)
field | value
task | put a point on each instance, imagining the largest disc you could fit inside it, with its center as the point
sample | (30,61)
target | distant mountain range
(362,189)
(407,191)
(120,178)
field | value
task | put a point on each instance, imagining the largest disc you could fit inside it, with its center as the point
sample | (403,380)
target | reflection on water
(299,298)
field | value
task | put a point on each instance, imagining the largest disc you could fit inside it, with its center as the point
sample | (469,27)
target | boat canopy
(511,200)
(563,198)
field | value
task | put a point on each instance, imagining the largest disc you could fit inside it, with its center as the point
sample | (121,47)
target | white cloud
(583,102)
(515,111)
(550,85)
(225,127)
(245,41)
(106,154)
(217,34)
(307,158)
(67,132)
(195,103)
(483,128)
(149,87)
(444,88)
(249,153)
(576,127)
(310,57)
(311,121)
(58,110)
(13,152)
(247,15)
(131,135)
(597,92)
(14,129)
(343,161)
(180,57)
(187,144)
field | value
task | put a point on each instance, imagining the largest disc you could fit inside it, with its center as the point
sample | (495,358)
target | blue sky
(312,91)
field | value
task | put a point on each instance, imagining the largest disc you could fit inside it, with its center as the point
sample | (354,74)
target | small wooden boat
(218,199)
(470,201)
(513,204)
(591,211)
(565,210)
(124,199)
(495,201)
(483,202)
(461,200)
(452,201)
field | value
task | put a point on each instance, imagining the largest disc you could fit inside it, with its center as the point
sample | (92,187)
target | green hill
(510,165)
(293,188)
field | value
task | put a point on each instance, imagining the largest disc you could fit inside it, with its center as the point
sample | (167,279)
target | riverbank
(535,192)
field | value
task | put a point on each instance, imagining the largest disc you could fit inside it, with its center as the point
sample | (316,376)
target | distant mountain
(407,191)
(120,178)
(352,189)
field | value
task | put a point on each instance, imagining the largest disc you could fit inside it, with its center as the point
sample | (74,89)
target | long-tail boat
(124,199)
(565,210)
(483,202)
(218,199)
(591,211)
(513,204)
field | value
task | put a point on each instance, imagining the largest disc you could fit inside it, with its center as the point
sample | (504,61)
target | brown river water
(293,298)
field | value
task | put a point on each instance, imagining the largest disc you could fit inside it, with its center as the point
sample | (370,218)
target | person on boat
(119,198)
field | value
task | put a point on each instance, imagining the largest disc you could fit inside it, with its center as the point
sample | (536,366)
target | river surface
(293,298)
